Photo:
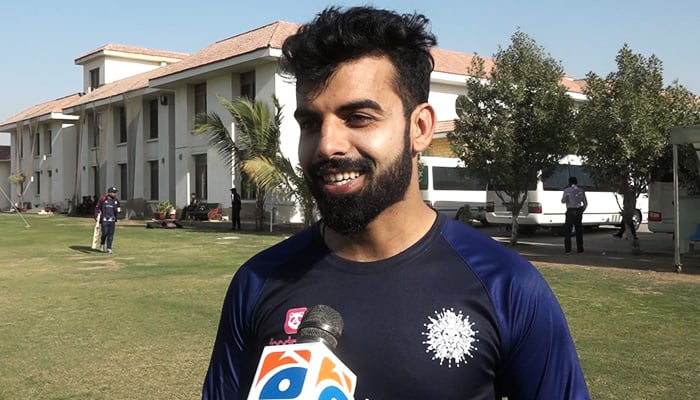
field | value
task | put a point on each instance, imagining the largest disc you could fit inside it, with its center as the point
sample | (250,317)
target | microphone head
(320,323)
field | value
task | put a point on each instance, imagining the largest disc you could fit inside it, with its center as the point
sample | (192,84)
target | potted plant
(163,208)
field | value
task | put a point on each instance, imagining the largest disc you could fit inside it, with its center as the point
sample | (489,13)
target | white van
(661,208)
(543,206)
(445,186)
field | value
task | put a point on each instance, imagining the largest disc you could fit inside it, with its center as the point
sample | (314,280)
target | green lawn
(139,324)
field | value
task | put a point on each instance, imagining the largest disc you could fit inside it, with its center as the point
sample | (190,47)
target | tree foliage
(514,121)
(256,151)
(623,127)
(683,108)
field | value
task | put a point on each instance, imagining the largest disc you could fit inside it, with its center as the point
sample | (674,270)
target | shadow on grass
(85,249)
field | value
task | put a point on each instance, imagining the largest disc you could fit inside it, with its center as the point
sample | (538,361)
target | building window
(200,98)
(48,145)
(35,145)
(122,125)
(248,85)
(20,139)
(37,182)
(95,171)
(93,130)
(94,79)
(248,188)
(200,176)
(153,119)
(123,179)
(153,168)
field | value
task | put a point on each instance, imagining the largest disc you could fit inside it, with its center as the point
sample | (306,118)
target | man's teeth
(340,176)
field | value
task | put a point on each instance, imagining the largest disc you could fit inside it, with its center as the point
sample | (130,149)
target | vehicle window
(422,177)
(449,178)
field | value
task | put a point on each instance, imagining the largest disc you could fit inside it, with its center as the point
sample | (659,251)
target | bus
(446,187)
(543,207)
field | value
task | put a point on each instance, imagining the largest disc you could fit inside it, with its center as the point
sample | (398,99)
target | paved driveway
(602,249)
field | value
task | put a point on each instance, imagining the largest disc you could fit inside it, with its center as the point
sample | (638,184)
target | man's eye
(308,125)
(358,120)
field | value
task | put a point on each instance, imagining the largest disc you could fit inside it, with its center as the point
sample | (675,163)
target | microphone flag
(308,371)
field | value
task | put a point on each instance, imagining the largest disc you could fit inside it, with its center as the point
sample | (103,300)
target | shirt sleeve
(540,359)
(231,368)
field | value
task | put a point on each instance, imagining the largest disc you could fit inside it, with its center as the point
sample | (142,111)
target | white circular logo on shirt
(450,337)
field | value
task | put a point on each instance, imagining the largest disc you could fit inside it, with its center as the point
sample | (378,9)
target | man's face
(354,145)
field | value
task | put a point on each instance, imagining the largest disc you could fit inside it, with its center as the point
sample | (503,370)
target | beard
(349,214)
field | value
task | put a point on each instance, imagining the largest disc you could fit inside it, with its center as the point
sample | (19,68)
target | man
(432,308)
(235,210)
(108,210)
(575,199)
(194,203)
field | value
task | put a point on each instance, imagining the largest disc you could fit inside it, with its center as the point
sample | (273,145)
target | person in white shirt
(575,199)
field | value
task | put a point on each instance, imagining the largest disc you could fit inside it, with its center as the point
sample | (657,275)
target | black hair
(337,36)
(573,180)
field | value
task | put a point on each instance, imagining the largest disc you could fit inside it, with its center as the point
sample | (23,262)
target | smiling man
(433,309)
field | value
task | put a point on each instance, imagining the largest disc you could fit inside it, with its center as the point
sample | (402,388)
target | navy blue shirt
(455,316)
(108,209)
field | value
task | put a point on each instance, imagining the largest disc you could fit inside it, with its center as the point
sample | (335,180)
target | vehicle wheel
(637,220)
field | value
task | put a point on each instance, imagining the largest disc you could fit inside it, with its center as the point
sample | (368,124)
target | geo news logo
(302,371)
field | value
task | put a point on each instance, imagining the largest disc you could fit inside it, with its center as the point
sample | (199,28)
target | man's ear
(422,127)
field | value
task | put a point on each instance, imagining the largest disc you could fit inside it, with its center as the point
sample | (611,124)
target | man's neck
(396,229)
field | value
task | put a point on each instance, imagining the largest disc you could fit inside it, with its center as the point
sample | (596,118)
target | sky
(41,39)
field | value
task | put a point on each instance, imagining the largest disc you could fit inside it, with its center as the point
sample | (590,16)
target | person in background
(575,199)
(235,210)
(453,313)
(109,209)
(194,203)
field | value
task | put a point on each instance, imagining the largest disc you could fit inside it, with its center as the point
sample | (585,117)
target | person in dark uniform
(108,210)
(194,203)
(453,313)
(575,199)
(235,210)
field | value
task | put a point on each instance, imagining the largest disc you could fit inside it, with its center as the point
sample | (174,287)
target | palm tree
(257,151)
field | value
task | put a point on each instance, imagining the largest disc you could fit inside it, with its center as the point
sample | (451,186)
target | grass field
(139,324)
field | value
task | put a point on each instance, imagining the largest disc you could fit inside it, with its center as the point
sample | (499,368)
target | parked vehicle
(661,207)
(446,187)
(543,206)
(661,217)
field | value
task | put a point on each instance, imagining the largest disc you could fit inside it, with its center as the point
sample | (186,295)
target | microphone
(308,369)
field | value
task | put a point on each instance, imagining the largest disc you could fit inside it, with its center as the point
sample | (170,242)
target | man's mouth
(340,177)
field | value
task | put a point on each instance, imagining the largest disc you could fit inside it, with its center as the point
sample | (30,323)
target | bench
(206,212)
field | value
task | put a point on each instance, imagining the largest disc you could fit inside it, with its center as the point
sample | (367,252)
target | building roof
(53,106)
(445,126)
(121,49)
(120,87)
(268,36)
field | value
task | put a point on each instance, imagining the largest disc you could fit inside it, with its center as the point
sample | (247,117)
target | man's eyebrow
(353,105)
(356,105)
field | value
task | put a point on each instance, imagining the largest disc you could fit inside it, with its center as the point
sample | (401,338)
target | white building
(131,125)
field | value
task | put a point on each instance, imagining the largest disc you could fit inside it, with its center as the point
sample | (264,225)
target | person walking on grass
(108,210)
(575,199)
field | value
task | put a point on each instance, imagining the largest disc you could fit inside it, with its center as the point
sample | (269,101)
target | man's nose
(333,139)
